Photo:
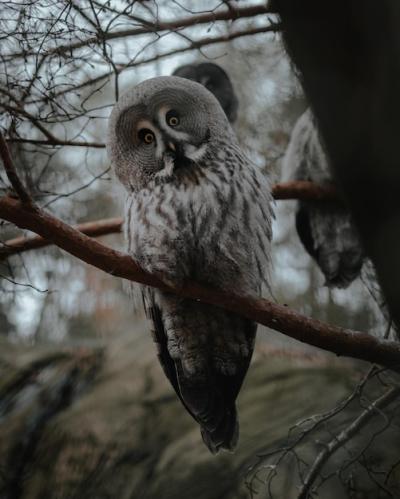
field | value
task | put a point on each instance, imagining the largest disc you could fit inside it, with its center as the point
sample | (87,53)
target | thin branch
(303,190)
(195,44)
(344,436)
(335,339)
(154,27)
(305,428)
(52,139)
(57,142)
(92,229)
(12,172)
(15,111)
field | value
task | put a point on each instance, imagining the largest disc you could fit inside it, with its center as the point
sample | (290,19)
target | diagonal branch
(155,27)
(51,139)
(299,189)
(93,229)
(344,436)
(12,173)
(335,339)
(193,45)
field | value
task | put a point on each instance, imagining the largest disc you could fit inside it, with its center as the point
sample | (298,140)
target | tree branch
(93,229)
(335,339)
(12,173)
(195,44)
(51,139)
(344,436)
(303,190)
(57,142)
(155,27)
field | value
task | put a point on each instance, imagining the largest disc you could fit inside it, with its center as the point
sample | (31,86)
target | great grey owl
(325,229)
(216,80)
(196,209)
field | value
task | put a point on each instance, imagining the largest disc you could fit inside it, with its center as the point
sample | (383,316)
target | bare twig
(195,44)
(51,139)
(305,429)
(344,436)
(226,15)
(335,339)
(12,172)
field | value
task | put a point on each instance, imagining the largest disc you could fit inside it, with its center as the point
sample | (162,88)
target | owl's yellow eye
(172,118)
(146,136)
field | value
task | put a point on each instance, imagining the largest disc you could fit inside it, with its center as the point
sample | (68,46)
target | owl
(216,80)
(196,209)
(326,229)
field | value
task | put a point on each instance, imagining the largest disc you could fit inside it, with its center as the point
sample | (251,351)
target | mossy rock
(121,433)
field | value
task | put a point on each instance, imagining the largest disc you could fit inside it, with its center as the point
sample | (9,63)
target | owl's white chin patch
(168,169)
(194,153)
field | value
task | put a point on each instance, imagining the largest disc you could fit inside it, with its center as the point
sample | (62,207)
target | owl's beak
(171,146)
(173,150)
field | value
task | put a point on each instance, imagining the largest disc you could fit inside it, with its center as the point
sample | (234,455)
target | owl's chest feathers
(216,226)
(185,210)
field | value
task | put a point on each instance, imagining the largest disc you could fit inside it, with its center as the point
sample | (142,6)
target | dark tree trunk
(347,53)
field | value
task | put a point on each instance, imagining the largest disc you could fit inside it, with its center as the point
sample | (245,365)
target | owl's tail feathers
(212,407)
(225,435)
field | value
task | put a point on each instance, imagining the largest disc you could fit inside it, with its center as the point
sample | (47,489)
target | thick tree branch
(328,337)
(304,190)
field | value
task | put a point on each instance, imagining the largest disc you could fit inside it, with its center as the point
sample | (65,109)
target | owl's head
(216,80)
(162,125)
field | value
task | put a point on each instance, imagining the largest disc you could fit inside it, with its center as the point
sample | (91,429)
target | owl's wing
(208,394)
(329,236)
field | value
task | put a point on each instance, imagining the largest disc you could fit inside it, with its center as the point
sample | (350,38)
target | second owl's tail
(225,435)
